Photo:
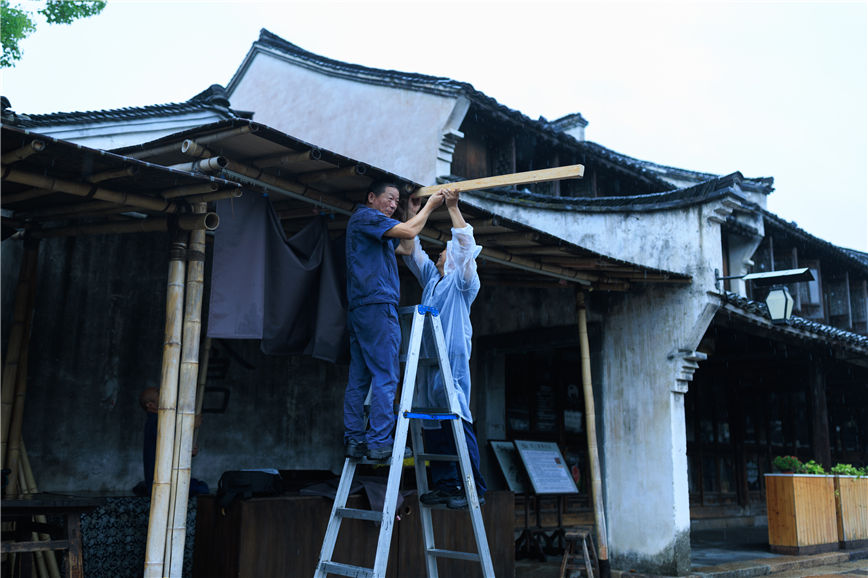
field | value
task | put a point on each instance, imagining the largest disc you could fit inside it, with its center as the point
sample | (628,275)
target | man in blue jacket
(372,301)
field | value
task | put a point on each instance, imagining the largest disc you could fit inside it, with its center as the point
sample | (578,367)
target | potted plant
(851,501)
(787,464)
(801,508)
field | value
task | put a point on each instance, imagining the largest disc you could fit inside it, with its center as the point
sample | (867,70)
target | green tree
(17,23)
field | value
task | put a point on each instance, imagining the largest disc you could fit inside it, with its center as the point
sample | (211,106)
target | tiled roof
(848,257)
(821,331)
(703,192)
(213,99)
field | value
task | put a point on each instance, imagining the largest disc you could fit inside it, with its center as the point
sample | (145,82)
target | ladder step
(356,514)
(437,457)
(454,554)
(434,416)
(346,570)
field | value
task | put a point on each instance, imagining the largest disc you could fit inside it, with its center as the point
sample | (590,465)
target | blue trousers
(447,475)
(375,339)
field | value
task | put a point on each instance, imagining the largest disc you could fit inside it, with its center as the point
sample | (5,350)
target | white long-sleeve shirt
(452,296)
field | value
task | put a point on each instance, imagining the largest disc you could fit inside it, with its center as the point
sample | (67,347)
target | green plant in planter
(813,468)
(848,470)
(787,464)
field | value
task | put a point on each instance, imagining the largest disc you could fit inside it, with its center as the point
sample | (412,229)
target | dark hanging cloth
(288,292)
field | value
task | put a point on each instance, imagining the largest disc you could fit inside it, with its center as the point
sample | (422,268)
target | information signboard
(546,467)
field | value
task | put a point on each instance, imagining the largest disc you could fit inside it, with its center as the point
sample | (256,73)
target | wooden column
(161,490)
(821,447)
(188,381)
(591,428)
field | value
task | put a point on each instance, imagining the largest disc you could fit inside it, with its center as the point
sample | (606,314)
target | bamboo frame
(187,386)
(87,190)
(286,160)
(19,336)
(188,190)
(313,177)
(34,146)
(114,174)
(591,429)
(529,177)
(27,195)
(185,222)
(193,149)
(161,490)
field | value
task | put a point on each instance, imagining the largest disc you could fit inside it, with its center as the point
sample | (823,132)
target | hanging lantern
(780,304)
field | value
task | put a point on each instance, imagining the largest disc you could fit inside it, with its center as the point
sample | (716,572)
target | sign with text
(546,467)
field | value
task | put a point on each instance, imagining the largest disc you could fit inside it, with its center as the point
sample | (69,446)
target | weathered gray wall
(98,340)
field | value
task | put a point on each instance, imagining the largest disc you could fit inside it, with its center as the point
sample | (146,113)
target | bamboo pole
(39,556)
(206,165)
(540,176)
(208,197)
(193,149)
(113,174)
(13,452)
(19,335)
(591,429)
(84,209)
(209,187)
(187,393)
(88,190)
(27,195)
(185,222)
(204,359)
(176,146)
(30,485)
(34,146)
(287,160)
(161,490)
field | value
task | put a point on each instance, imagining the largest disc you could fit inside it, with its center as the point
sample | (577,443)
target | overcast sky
(766,88)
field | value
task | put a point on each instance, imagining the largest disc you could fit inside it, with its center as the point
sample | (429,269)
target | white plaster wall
(647,333)
(389,128)
(116,134)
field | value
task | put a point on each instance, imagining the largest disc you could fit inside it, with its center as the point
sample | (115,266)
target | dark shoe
(384,455)
(354,449)
(439,496)
(459,502)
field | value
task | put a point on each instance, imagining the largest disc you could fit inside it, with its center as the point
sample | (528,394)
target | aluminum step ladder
(410,419)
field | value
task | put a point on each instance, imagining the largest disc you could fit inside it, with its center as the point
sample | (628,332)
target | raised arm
(414,225)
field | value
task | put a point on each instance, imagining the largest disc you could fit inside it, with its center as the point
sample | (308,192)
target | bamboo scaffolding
(591,429)
(208,197)
(31,488)
(185,222)
(176,146)
(88,190)
(34,146)
(529,177)
(161,490)
(19,336)
(536,267)
(187,386)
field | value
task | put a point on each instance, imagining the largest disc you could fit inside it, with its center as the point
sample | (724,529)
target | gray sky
(766,88)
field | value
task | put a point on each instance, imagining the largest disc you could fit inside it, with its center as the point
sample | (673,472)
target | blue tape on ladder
(423,309)
(439,416)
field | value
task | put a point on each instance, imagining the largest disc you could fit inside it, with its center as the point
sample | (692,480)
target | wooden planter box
(851,497)
(802,513)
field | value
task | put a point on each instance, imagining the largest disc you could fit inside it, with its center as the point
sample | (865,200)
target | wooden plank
(529,177)
(852,501)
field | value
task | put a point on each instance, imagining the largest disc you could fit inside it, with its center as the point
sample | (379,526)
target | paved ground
(734,553)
